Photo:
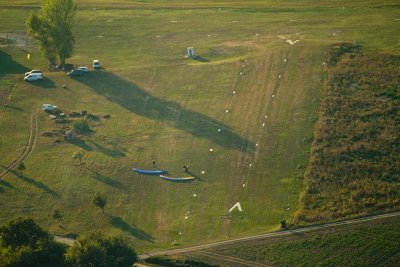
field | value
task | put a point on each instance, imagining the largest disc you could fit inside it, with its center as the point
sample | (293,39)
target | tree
(24,243)
(78,156)
(99,201)
(21,167)
(81,126)
(52,27)
(96,250)
(57,216)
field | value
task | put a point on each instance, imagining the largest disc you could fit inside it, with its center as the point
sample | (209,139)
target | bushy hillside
(354,166)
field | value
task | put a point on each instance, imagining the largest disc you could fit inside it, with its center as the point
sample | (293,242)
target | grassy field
(368,244)
(165,107)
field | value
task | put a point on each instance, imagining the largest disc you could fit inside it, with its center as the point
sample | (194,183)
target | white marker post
(237,205)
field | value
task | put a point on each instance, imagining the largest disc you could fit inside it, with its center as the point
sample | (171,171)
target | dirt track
(28,149)
(200,248)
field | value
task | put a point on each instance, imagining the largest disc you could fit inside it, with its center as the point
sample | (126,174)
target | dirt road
(271,235)
(28,149)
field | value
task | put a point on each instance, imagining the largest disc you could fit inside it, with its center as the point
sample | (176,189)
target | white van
(48,107)
(33,77)
(96,64)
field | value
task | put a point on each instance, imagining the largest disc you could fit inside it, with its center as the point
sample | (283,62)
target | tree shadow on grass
(112,152)
(107,180)
(140,102)
(14,108)
(9,66)
(38,184)
(45,83)
(81,143)
(124,226)
(5,183)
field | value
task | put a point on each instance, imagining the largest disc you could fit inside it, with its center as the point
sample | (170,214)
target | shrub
(81,126)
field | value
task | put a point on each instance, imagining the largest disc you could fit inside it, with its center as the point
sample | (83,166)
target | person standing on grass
(154,162)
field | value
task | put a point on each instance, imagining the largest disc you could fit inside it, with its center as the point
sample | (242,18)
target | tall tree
(57,216)
(97,250)
(24,243)
(99,201)
(52,27)
(78,155)
(21,167)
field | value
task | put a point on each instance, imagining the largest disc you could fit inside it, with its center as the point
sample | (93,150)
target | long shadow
(112,152)
(38,184)
(140,102)
(14,108)
(81,143)
(201,59)
(5,183)
(106,180)
(124,226)
(45,83)
(9,66)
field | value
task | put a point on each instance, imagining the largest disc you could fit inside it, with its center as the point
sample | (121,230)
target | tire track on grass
(273,234)
(29,147)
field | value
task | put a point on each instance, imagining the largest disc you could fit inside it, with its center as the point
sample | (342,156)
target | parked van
(48,107)
(96,64)
(33,77)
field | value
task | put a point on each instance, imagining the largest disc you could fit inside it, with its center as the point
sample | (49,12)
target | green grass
(169,108)
(374,245)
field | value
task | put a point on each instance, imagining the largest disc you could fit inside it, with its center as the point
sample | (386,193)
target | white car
(33,71)
(33,77)
(83,69)
(48,107)
(96,64)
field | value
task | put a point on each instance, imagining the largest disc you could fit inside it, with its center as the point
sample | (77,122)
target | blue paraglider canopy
(150,172)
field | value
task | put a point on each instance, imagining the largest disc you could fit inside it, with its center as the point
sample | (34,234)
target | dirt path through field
(272,235)
(28,149)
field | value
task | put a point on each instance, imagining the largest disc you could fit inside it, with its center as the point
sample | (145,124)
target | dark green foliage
(21,167)
(369,246)
(355,160)
(24,243)
(99,201)
(95,250)
(92,117)
(57,216)
(338,50)
(52,27)
(78,156)
(81,126)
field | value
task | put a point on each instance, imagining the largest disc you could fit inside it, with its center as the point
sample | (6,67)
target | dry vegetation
(354,166)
